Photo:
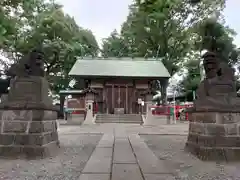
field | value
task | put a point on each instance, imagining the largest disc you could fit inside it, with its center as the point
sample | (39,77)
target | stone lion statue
(30,65)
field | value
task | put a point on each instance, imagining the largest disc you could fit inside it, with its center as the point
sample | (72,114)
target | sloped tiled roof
(122,67)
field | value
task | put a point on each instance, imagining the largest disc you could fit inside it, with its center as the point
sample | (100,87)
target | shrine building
(116,84)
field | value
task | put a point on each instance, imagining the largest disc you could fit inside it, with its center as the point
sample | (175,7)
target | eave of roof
(119,67)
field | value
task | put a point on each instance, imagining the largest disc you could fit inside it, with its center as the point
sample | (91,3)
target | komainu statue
(218,90)
(27,113)
(215,117)
(30,65)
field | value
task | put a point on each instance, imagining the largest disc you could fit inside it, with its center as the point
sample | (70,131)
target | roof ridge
(118,59)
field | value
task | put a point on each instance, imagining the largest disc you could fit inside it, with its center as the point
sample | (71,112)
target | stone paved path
(119,152)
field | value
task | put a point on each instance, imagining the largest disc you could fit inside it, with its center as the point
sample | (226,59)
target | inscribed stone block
(15,127)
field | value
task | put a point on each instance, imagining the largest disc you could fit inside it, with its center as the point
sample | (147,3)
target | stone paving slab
(99,162)
(123,152)
(146,159)
(159,177)
(101,159)
(94,177)
(126,172)
(106,141)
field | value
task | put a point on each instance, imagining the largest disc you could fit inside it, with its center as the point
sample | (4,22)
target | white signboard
(140,101)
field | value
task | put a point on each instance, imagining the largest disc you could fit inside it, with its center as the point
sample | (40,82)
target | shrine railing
(170,110)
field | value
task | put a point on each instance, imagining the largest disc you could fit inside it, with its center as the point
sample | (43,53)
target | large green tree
(61,38)
(115,46)
(162,29)
(159,28)
(212,35)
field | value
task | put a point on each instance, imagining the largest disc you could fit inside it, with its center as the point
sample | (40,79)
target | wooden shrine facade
(119,95)
(118,83)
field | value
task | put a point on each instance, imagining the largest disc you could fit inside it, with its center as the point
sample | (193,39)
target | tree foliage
(214,36)
(27,24)
(191,78)
(115,46)
(161,29)
(211,36)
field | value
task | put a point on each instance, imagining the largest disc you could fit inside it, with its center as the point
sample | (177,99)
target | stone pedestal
(214,136)
(28,120)
(28,133)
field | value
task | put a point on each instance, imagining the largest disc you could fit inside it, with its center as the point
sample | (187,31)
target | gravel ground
(67,165)
(171,148)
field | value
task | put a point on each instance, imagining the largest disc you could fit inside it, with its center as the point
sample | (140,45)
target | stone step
(123,118)
(135,122)
(129,119)
(117,121)
(126,119)
(118,114)
(102,119)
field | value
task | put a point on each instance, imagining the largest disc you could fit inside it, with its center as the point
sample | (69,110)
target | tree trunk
(164,84)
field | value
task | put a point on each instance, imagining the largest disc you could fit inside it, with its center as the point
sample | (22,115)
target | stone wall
(214,135)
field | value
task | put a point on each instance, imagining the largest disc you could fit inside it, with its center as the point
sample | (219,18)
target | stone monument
(28,117)
(148,97)
(215,117)
(89,99)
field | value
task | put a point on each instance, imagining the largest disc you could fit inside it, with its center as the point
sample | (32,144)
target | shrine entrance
(119,98)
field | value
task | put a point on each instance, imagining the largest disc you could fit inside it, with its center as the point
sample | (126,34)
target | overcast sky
(103,16)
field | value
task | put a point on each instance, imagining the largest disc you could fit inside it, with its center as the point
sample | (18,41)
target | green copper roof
(121,67)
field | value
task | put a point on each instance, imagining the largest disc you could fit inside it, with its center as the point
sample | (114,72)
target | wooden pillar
(107,103)
(113,104)
(104,98)
(133,100)
(119,97)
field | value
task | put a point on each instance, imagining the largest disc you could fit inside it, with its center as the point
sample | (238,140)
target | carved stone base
(27,93)
(214,154)
(218,104)
(28,133)
(214,136)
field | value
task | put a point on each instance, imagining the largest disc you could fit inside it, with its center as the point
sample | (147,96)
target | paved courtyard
(120,152)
